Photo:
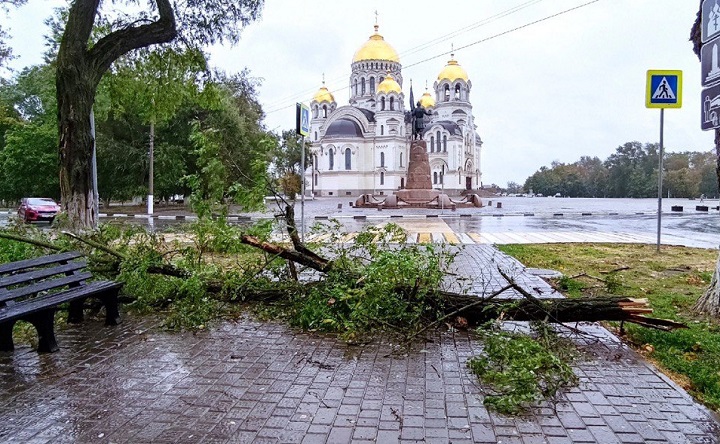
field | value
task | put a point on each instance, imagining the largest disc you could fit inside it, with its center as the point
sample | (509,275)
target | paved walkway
(247,381)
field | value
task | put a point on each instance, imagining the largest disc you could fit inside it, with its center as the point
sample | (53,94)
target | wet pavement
(246,381)
(518,220)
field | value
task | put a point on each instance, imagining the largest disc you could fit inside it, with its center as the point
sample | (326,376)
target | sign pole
(660,177)
(302,128)
(663,90)
(302,189)
(442,193)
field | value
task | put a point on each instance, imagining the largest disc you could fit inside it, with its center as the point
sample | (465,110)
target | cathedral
(363,147)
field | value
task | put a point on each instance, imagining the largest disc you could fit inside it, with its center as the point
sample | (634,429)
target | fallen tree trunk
(477,310)
(610,308)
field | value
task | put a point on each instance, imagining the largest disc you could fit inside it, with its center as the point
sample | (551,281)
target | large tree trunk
(75,101)
(79,70)
(709,303)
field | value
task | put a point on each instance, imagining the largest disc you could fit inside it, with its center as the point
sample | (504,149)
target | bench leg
(75,312)
(6,340)
(44,322)
(112,314)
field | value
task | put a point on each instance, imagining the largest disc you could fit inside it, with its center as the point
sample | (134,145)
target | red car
(38,208)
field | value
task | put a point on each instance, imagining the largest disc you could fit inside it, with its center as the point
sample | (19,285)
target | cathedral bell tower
(370,66)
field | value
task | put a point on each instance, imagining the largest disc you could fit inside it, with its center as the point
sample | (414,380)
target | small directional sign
(302,119)
(664,89)
(710,101)
(710,20)
(710,63)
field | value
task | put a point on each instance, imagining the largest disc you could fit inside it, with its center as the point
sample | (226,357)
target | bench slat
(17,311)
(42,273)
(6,295)
(38,261)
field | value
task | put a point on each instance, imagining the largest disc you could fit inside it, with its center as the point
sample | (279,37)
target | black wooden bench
(31,290)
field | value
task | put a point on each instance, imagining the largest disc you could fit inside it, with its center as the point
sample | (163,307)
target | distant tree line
(629,172)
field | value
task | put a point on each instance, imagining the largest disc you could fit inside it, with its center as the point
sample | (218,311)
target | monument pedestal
(418,192)
(418,188)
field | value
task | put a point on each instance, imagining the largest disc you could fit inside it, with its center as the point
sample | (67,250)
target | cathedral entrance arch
(468,179)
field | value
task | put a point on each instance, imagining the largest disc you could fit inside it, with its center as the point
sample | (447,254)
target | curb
(453,216)
(239,218)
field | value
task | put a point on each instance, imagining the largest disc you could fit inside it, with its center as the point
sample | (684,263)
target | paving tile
(632,438)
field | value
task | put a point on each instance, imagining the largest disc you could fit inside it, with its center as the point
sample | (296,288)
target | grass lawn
(672,281)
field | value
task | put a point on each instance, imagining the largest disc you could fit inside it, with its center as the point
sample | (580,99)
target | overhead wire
(472,26)
(418,48)
(486,39)
(518,28)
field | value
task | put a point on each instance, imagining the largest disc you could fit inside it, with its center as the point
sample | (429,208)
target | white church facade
(363,147)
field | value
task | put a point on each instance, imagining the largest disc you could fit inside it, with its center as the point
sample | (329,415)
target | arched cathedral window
(437,137)
(362,86)
(348,158)
(331,159)
(401,160)
(457,91)
(355,87)
(382,130)
(382,104)
(392,103)
(324,111)
(447,93)
(435,178)
(445,144)
(382,159)
(372,85)
(432,144)
(382,178)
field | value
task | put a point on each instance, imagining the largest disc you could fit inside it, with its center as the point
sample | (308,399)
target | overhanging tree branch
(112,46)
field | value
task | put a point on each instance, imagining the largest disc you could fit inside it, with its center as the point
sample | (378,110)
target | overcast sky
(568,86)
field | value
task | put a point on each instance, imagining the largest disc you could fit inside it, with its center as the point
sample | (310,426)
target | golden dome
(427,101)
(376,48)
(389,85)
(323,95)
(452,71)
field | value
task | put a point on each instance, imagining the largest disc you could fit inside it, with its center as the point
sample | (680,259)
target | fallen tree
(438,305)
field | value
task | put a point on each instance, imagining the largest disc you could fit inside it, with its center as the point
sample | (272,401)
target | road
(518,220)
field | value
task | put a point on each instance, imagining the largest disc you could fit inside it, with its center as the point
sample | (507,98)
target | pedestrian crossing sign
(302,119)
(664,89)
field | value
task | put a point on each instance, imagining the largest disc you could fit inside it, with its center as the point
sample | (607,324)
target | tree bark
(79,70)
(709,302)
(614,308)
(313,261)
